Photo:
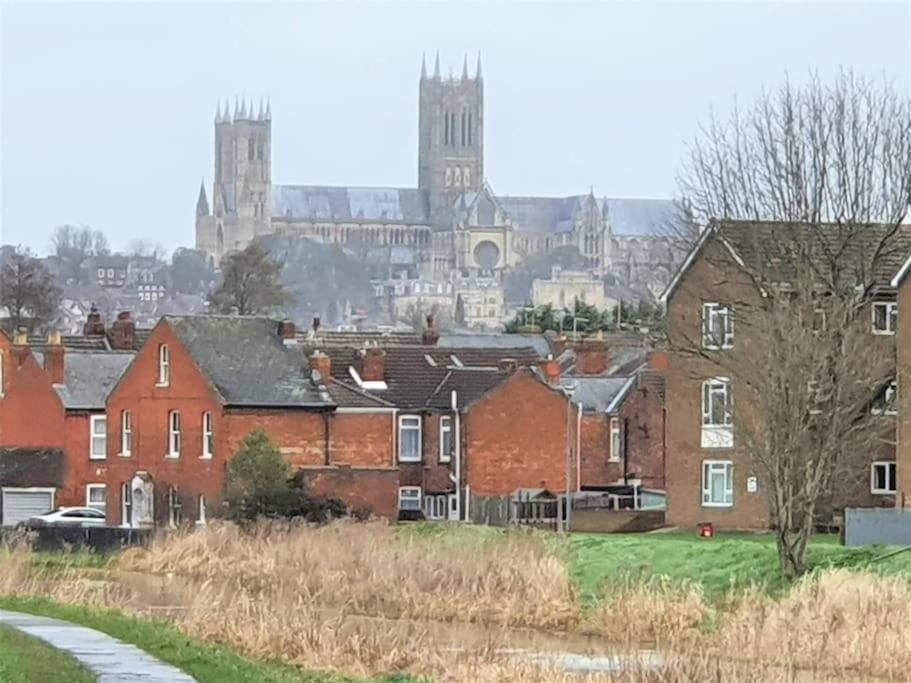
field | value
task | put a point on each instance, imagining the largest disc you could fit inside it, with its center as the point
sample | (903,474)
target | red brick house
(52,407)
(710,477)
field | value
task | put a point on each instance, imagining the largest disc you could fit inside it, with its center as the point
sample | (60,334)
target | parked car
(69,516)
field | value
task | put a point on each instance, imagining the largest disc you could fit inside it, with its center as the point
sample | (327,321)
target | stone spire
(202,204)
(465,68)
(268,109)
(436,66)
(478,72)
(236,108)
(218,113)
(262,111)
(423,66)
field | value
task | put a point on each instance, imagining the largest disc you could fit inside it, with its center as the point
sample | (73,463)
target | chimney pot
(430,336)
(93,327)
(551,370)
(321,363)
(373,364)
(54,360)
(122,336)
(316,324)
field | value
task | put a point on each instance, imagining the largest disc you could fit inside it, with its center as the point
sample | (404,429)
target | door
(20,504)
(453,513)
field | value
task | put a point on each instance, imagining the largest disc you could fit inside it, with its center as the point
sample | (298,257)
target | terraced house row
(141,423)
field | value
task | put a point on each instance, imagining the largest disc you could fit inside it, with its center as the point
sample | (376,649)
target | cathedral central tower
(451,138)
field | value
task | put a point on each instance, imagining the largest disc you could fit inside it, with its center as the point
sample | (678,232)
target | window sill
(172,456)
(445,461)
(717,505)
(205,457)
(411,461)
(160,385)
(124,455)
(884,333)
(882,493)
(98,457)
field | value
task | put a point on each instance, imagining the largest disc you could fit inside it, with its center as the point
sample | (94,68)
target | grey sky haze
(107,108)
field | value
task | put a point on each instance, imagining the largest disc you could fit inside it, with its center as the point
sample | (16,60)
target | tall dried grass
(513,579)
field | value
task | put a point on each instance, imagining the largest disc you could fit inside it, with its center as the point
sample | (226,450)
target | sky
(107,108)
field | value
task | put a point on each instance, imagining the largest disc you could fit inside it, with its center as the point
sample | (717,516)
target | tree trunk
(792,550)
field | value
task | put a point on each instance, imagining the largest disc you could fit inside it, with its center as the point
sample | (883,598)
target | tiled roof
(496,341)
(347,396)
(247,362)
(414,373)
(392,204)
(358,339)
(89,376)
(80,342)
(469,384)
(754,241)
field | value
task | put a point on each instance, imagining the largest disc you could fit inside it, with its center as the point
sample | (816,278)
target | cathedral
(452,223)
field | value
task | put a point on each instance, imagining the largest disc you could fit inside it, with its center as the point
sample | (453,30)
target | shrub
(258,483)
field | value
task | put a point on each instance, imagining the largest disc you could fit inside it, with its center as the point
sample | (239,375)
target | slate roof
(90,376)
(496,341)
(26,467)
(630,217)
(596,393)
(247,362)
(392,204)
(73,341)
(359,338)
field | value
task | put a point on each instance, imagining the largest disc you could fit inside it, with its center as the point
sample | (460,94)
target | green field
(724,562)
(26,659)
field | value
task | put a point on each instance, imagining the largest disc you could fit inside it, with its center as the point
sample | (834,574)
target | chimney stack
(122,336)
(373,364)
(430,337)
(286,330)
(321,363)
(591,355)
(54,358)
(551,370)
(20,346)
(316,324)
(94,327)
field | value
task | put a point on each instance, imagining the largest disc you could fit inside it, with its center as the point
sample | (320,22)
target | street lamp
(569,389)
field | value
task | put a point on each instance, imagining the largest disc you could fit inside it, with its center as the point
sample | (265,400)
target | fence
(866,526)
(100,539)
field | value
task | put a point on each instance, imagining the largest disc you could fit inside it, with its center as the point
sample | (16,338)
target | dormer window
(164,365)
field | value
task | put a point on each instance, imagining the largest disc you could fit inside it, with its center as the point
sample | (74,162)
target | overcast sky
(107,108)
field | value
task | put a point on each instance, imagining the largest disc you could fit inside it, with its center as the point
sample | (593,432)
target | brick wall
(516,438)
(31,413)
(903,420)
(301,435)
(363,439)
(374,489)
(642,427)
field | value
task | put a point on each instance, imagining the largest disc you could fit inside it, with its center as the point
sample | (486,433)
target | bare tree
(806,192)
(74,244)
(28,291)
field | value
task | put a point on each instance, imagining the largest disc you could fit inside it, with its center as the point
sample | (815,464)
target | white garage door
(20,504)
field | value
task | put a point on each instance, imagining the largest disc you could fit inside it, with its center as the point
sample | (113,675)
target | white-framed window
(174,434)
(717,483)
(410,438)
(717,413)
(100,273)
(208,435)
(410,498)
(126,505)
(435,506)
(98,437)
(717,326)
(175,508)
(126,432)
(201,510)
(96,496)
(164,365)
(445,438)
(882,477)
(885,314)
(884,403)
(615,444)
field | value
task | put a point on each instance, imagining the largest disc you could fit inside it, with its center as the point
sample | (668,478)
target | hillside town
(435,430)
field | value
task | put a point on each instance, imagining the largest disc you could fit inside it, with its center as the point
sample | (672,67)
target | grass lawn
(718,564)
(26,659)
(207,662)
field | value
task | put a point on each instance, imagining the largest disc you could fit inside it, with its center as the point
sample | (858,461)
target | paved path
(109,659)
